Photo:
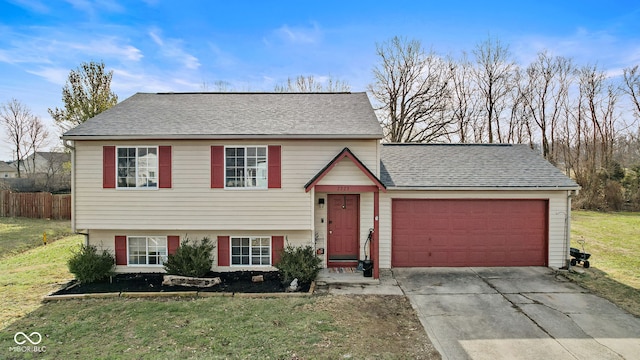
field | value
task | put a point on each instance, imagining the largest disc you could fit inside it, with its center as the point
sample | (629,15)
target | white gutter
(221,137)
(485,188)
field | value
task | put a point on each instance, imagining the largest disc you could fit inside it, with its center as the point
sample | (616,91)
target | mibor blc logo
(28,338)
(27,343)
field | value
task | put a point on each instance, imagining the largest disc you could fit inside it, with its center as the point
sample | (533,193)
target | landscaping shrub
(191,259)
(299,263)
(89,265)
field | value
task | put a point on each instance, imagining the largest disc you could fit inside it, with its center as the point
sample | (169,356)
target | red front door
(343,229)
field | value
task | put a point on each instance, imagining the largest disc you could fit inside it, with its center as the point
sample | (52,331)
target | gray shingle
(468,166)
(175,115)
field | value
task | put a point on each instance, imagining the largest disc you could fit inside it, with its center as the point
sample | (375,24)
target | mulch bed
(232,282)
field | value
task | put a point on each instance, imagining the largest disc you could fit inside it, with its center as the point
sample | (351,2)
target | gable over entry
(345,181)
(345,153)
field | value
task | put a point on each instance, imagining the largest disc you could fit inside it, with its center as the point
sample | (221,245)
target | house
(256,171)
(7,171)
(45,162)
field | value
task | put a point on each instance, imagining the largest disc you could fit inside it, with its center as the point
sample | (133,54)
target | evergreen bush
(191,259)
(89,265)
(299,263)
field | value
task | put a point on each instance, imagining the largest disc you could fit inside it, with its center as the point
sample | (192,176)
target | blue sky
(157,46)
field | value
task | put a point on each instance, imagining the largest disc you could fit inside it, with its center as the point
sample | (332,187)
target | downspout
(373,246)
(69,144)
(567,229)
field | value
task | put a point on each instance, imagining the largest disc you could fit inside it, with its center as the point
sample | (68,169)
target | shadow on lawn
(600,283)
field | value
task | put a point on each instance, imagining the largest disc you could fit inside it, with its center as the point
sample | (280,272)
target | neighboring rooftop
(54,157)
(456,166)
(234,115)
(4,167)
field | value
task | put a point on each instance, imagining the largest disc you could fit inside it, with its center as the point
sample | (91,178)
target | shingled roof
(463,166)
(234,115)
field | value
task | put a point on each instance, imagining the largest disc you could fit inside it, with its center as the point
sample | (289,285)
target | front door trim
(343,232)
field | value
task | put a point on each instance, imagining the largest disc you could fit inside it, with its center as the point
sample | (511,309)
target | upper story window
(246,167)
(137,167)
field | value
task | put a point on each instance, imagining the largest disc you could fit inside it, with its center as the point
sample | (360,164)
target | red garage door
(451,232)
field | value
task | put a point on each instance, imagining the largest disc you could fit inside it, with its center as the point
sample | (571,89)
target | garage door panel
(453,232)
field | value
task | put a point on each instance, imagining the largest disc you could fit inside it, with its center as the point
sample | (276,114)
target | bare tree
(547,83)
(464,102)
(631,77)
(37,137)
(519,125)
(25,131)
(218,86)
(413,91)
(310,84)
(493,76)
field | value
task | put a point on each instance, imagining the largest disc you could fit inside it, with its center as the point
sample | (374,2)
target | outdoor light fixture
(321,202)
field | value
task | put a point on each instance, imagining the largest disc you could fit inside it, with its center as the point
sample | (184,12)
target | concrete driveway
(516,313)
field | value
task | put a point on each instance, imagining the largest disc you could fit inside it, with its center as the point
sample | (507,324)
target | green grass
(20,234)
(613,239)
(25,278)
(326,327)
(178,329)
(225,328)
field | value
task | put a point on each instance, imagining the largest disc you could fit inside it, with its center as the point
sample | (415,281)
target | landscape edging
(150,294)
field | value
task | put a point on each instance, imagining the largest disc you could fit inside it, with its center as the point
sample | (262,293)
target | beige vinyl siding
(345,172)
(105,239)
(557,252)
(191,204)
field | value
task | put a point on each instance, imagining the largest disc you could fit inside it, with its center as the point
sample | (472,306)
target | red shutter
(277,246)
(164,167)
(121,250)
(173,242)
(108,167)
(223,251)
(274,166)
(217,167)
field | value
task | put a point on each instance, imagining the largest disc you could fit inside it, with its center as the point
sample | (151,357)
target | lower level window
(250,251)
(147,250)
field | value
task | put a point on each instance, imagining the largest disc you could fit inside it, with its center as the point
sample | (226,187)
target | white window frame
(157,168)
(147,237)
(231,238)
(263,186)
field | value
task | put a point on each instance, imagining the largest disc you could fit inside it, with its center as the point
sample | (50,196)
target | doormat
(342,270)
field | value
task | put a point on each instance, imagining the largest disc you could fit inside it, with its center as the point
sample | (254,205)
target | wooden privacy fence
(41,205)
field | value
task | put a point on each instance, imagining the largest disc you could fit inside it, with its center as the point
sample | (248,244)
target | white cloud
(125,81)
(48,46)
(54,75)
(94,8)
(32,5)
(172,48)
(585,47)
(299,35)
(108,47)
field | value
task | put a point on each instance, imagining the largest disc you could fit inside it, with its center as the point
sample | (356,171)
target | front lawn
(613,239)
(324,327)
(20,234)
(25,278)
(321,326)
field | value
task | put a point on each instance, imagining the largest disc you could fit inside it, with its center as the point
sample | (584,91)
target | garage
(469,232)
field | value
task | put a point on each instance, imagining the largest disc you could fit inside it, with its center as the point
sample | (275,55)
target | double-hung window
(147,250)
(137,167)
(246,167)
(250,251)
